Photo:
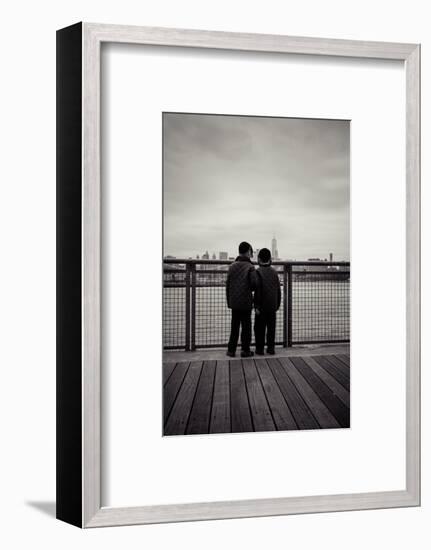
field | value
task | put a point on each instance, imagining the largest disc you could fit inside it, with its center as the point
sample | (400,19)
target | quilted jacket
(267,297)
(240,283)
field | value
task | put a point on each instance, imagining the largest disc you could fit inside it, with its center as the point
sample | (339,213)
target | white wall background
(27,286)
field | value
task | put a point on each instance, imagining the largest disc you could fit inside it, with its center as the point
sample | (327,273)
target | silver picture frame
(79,274)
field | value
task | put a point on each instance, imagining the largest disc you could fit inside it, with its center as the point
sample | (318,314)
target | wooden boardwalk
(259,394)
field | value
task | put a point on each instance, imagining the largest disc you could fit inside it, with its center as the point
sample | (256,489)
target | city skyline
(233,178)
(226,255)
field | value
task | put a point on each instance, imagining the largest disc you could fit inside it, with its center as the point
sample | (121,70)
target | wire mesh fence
(175,304)
(320,305)
(315,304)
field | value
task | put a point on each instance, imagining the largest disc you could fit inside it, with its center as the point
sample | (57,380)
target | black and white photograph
(256,273)
(188,357)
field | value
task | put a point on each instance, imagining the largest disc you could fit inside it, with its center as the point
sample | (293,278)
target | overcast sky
(231,178)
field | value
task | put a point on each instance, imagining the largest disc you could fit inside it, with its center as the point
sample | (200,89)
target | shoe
(259,352)
(270,351)
(247,354)
(230,353)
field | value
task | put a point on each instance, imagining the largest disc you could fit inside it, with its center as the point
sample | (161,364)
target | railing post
(188,277)
(193,307)
(289,305)
(285,305)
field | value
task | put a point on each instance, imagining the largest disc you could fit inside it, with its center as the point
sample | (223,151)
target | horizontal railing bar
(219,271)
(302,273)
(331,341)
(335,273)
(181,284)
(222,346)
(275,262)
(209,271)
(207,346)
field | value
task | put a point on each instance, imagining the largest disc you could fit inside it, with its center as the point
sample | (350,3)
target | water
(320,311)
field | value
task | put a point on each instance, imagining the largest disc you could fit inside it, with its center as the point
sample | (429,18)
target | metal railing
(315,305)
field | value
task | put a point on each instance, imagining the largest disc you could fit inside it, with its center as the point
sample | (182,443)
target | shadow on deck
(300,389)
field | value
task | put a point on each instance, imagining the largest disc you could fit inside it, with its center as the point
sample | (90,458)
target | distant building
(169,257)
(331,256)
(223,255)
(197,256)
(214,256)
(205,256)
(231,258)
(274,249)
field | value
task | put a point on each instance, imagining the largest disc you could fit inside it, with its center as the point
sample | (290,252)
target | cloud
(230,178)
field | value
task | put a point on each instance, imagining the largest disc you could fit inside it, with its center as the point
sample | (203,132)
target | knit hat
(264,257)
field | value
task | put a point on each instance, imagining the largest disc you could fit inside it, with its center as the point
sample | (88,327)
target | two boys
(242,281)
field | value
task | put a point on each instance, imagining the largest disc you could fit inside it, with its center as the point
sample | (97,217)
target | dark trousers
(240,319)
(264,321)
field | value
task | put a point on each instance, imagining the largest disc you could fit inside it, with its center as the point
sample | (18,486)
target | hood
(242,259)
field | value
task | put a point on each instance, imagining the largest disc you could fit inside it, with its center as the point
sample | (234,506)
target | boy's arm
(257,292)
(252,278)
(277,283)
(278,292)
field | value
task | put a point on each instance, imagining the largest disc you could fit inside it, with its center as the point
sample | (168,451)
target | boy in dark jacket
(240,284)
(267,298)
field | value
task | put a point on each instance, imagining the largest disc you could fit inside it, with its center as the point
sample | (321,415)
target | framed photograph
(238,323)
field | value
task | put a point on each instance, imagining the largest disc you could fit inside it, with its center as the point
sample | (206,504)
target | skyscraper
(223,255)
(274,249)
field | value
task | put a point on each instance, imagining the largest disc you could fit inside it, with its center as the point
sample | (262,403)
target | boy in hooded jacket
(267,299)
(240,284)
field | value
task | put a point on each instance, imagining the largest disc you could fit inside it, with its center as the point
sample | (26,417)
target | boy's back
(240,284)
(267,297)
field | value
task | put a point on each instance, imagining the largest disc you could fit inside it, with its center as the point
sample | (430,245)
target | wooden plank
(220,414)
(172,387)
(260,411)
(333,371)
(345,358)
(301,413)
(240,409)
(177,421)
(339,364)
(336,388)
(280,411)
(200,415)
(320,411)
(335,405)
(168,367)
